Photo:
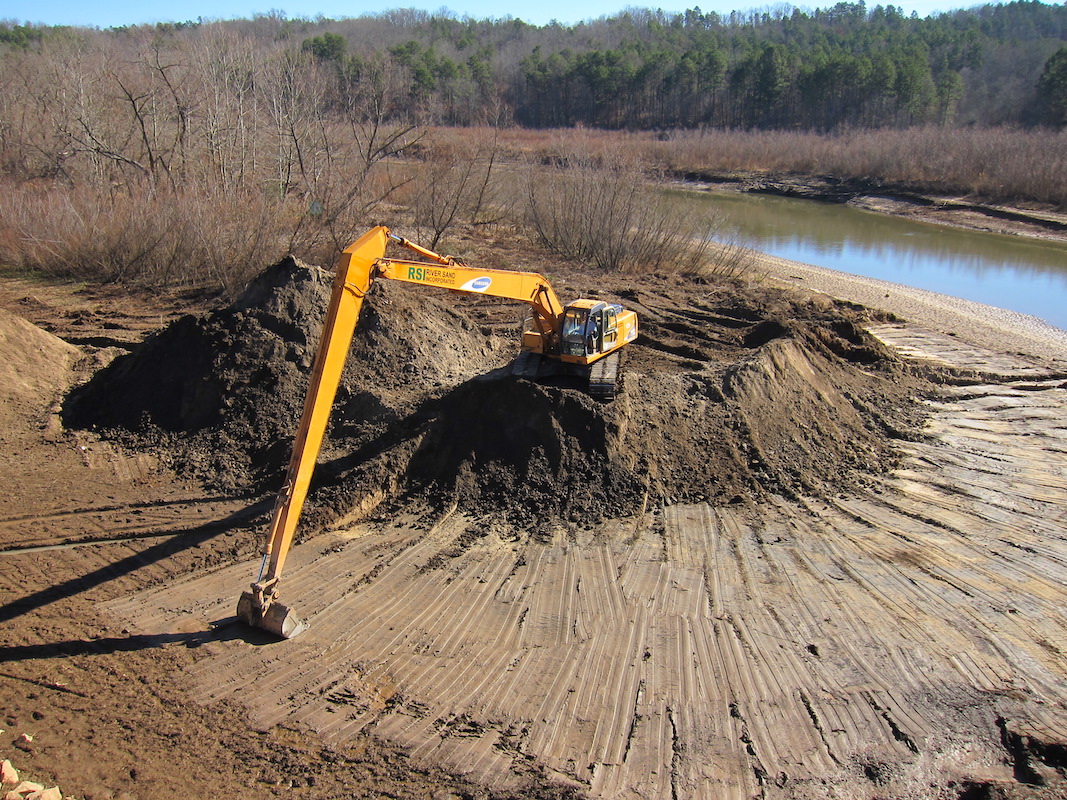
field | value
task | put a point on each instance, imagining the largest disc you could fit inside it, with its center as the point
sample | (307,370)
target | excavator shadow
(407,427)
(229,629)
(167,547)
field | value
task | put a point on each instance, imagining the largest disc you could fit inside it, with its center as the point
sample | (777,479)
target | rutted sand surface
(899,636)
(905,639)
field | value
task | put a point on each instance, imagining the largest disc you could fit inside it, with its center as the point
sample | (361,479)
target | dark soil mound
(220,391)
(525,453)
(221,395)
(729,394)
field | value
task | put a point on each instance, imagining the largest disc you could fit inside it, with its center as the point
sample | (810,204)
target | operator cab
(590,328)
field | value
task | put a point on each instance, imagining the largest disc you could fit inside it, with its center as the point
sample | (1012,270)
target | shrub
(139,236)
(602,209)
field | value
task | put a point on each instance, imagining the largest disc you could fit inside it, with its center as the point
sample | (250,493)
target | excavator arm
(355,273)
(359,266)
(528,287)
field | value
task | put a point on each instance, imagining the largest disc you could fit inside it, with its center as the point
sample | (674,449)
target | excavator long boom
(529,287)
(360,264)
(354,276)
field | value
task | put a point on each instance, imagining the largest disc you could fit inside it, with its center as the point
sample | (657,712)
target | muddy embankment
(730,394)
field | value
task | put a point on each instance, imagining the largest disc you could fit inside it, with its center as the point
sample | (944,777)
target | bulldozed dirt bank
(794,558)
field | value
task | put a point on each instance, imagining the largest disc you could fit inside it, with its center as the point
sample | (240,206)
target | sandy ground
(901,639)
(995,329)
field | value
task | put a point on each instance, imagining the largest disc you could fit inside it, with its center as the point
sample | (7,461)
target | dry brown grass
(584,193)
(1000,164)
(155,238)
(1003,164)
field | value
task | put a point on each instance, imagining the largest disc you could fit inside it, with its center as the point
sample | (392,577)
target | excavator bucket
(277,619)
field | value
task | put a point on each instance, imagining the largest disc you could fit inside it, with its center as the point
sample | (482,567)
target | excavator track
(603,377)
(526,365)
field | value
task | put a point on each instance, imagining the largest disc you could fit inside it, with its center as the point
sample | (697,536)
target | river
(1017,273)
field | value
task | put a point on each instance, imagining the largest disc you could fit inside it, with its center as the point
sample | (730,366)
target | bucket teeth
(278,619)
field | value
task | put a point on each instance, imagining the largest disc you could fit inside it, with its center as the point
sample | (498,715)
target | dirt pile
(523,453)
(726,397)
(221,394)
(216,392)
(32,363)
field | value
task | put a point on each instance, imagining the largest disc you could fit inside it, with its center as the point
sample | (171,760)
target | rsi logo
(478,284)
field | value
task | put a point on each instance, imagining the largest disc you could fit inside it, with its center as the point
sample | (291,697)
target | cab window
(574,322)
(594,331)
(611,326)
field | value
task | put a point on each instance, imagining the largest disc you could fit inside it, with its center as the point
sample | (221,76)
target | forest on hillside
(844,65)
(180,149)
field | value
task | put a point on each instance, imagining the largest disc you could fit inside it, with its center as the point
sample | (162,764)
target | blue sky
(109,13)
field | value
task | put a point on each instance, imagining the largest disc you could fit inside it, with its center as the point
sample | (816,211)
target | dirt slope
(33,367)
(728,395)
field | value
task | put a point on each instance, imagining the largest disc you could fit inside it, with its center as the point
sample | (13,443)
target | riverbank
(989,327)
(1038,221)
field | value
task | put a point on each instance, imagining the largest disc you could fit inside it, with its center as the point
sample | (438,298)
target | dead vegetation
(1003,164)
(598,209)
(601,209)
(586,195)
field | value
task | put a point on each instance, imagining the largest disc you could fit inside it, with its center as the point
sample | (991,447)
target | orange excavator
(582,338)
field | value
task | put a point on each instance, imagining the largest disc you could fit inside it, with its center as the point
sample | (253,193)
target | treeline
(197,151)
(844,66)
(841,66)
